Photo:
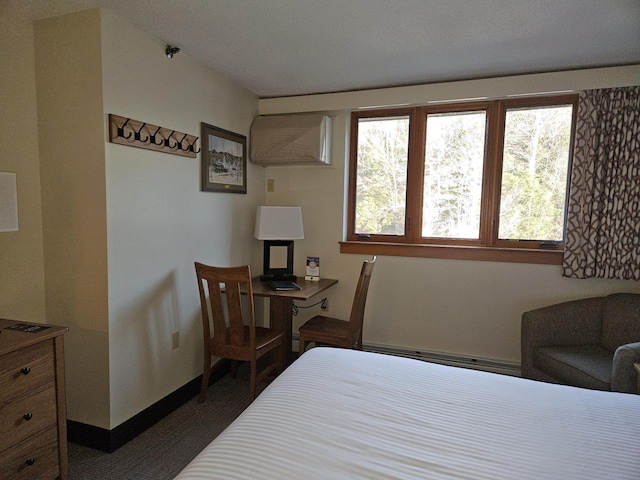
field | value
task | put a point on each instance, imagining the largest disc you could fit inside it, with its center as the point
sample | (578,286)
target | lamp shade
(279,223)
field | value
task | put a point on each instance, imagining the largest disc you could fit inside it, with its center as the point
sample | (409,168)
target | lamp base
(283,277)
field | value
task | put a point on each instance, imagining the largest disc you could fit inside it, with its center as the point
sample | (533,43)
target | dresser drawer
(23,416)
(34,458)
(26,369)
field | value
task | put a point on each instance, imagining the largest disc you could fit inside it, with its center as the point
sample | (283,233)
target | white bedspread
(344,414)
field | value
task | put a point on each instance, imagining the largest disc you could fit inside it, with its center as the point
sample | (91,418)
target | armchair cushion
(586,366)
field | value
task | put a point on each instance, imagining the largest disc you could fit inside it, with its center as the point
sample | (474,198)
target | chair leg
(252,384)
(206,374)
(234,368)
(301,346)
(283,359)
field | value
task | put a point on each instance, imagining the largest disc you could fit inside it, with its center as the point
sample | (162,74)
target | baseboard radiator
(476,363)
(485,364)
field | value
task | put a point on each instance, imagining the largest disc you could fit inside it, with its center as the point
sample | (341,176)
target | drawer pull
(25,370)
(27,416)
(30,461)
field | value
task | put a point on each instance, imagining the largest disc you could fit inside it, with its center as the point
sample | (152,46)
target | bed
(338,413)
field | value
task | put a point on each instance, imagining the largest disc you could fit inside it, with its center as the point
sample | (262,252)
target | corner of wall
(71,139)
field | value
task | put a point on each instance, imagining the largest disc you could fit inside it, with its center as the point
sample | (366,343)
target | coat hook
(120,131)
(152,138)
(192,146)
(137,134)
(134,133)
(167,141)
(182,140)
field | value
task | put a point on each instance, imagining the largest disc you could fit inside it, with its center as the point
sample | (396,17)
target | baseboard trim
(110,440)
(475,363)
(443,358)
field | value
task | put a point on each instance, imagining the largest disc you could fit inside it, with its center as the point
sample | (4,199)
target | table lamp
(278,227)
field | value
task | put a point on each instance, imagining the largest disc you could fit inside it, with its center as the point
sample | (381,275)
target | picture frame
(223,160)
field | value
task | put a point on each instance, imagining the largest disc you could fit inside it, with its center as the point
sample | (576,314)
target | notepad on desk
(283,285)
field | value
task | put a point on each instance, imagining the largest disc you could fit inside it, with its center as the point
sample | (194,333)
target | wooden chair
(340,333)
(230,337)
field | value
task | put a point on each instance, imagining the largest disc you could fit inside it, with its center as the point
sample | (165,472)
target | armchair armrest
(578,322)
(624,377)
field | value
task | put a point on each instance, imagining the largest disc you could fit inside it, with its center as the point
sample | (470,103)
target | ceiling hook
(170,51)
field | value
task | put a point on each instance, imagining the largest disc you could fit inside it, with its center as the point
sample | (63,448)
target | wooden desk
(281,304)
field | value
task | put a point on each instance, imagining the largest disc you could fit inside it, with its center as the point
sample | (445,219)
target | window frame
(488,246)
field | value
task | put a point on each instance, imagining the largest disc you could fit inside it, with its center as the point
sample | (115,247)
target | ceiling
(280,48)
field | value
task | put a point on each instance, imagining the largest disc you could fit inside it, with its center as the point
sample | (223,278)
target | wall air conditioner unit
(300,139)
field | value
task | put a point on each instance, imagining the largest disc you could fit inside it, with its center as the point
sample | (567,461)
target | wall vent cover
(300,139)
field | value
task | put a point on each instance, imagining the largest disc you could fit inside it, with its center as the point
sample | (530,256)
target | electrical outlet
(175,339)
(324,306)
(271,185)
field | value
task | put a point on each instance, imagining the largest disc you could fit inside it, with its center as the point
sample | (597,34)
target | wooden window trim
(454,252)
(488,247)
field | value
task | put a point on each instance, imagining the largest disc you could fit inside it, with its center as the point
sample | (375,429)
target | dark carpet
(164,449)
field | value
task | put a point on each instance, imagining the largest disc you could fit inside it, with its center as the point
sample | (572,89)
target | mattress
(338,413)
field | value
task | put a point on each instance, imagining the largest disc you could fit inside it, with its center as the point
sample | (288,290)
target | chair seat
(327,326)
(580,365)
(264,338)
(321,329)
(266,335)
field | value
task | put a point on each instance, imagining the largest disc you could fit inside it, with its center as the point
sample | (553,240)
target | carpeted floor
(163,450)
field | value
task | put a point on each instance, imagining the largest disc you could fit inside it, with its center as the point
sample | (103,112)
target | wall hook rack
(126,131)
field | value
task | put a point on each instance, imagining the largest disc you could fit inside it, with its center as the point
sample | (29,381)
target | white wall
(21,256)
(72,179)
(159,222)
(122,225)
(453,306)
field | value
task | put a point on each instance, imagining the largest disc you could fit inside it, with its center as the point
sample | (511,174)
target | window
(485,180)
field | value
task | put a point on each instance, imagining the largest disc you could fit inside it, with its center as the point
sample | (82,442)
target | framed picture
(223,161)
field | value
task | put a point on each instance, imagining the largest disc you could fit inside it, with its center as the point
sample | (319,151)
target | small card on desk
(25,327)
(313,269)
(282,285)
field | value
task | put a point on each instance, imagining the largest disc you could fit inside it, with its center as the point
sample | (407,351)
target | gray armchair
(591,343)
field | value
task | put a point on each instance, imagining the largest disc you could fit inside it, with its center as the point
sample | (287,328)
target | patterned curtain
(603,220)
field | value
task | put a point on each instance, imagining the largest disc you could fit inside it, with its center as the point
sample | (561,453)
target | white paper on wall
(8,202)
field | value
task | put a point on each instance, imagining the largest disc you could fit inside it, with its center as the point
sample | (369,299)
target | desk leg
(281,318)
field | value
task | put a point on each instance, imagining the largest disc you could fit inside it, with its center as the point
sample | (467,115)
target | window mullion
(491,176)
(353,155)
(415,176)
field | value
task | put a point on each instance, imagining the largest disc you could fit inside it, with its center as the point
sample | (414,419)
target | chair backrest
(620,320)
(360,297)
(223,307)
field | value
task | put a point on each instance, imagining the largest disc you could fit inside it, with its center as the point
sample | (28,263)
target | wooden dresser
(33,439)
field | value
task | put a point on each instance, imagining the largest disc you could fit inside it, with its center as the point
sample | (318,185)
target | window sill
(486,254)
